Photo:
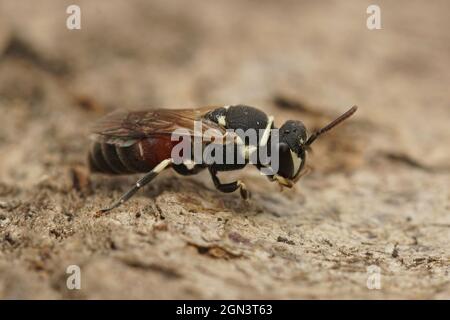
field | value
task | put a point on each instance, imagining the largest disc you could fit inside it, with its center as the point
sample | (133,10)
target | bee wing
(126,127)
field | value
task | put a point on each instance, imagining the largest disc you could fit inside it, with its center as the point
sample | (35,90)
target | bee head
(293,133)
(293,137)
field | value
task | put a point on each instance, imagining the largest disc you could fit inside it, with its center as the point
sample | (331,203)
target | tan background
(379,193)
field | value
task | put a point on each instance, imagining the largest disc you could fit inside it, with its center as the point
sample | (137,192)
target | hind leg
(139,184)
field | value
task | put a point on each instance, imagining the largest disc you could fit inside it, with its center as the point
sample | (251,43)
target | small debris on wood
(407,160)
(236,237)
(160,226)
(88,103)
(215,251)
(167,271)
(285,240)
(394,253)
(80,178)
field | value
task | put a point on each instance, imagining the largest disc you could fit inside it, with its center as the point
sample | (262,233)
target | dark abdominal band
(112,159)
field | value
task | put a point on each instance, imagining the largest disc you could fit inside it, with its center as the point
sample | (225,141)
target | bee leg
(283,182)
(139,184)
(185,171)
(229,187)
(303,173)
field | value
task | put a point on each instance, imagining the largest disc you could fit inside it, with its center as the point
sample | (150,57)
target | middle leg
(229,187)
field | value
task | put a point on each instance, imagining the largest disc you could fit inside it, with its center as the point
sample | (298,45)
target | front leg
(282,181)
(229,187)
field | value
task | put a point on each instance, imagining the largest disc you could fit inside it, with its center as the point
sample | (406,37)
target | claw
(245,193)
(283,182)
(101,212)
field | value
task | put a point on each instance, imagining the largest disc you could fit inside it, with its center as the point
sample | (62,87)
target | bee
(129,142)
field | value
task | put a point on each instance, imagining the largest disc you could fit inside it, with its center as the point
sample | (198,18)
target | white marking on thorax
(296,161)
(247,151)
(266,134)
(189,164)
(222,121)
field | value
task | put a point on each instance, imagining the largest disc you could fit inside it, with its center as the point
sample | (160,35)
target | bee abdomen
(103,158)
(97,162)
(112,159)
(132,158)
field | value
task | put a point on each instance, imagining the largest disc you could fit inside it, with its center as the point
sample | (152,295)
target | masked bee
(128,142)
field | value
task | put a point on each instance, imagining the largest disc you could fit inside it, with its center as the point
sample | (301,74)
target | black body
(131,142)
(239,117)
(245,118)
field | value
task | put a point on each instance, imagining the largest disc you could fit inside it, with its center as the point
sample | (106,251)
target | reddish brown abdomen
(140,157)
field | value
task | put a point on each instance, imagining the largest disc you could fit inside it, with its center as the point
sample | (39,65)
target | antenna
(331,125)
